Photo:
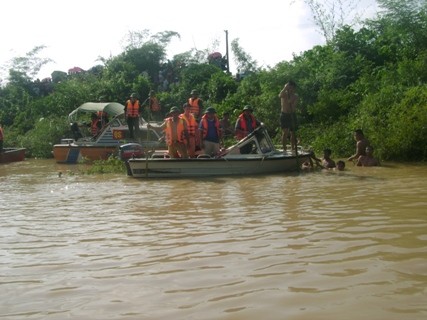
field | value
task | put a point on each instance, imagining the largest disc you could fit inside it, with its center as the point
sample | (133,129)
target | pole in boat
(146,163)
(294,142)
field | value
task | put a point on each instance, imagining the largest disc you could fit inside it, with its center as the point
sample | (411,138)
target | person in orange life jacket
(95,124)
(210,132)
(176,133)
(1,138)
(192,129)
(245,124)
(154,106)
(103,117)
(196,105)
(132,112)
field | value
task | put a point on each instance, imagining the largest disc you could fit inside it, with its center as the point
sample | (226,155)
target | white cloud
(77,32)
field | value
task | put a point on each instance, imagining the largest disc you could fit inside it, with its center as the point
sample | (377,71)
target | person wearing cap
(176,134)
(196,104)
(210,132)
(132,112)
(192,129)
(245,123)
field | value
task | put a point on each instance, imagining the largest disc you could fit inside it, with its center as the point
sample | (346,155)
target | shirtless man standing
(361,144)
(288,119)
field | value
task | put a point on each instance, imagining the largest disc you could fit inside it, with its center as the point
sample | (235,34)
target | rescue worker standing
(176,134)
(196,104)
(154,106)
(132,112)
(210,132)
(192,129)
(246,123)
(196,107)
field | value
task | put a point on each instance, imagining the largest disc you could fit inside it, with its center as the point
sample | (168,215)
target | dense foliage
(372,78)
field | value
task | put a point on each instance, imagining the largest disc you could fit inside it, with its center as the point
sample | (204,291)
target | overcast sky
(77,32)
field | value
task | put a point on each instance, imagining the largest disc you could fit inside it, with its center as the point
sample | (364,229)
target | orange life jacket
(132,109)
(205,126)
(194,106)
(103,116)
(191,123)
(154,104)
(180,129)
(243,132)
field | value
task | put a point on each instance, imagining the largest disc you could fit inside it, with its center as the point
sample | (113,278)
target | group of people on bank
(195,129)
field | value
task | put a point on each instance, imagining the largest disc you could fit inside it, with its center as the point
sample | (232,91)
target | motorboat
(84,146)
(254,154)
(8,155)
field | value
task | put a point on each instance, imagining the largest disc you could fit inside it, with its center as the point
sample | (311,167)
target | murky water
(348,245)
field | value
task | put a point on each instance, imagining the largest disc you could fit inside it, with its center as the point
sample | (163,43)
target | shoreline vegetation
(373,78)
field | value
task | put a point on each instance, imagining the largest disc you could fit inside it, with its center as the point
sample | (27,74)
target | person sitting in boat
(245,124)
(210,132)
(368,159)
(176,134)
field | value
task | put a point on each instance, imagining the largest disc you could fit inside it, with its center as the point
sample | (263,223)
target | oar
(294,140)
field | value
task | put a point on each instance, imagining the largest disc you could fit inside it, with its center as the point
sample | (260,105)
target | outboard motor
(131,150)
(76,131)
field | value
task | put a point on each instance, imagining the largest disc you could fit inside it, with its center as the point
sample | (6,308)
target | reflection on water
(323,245)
